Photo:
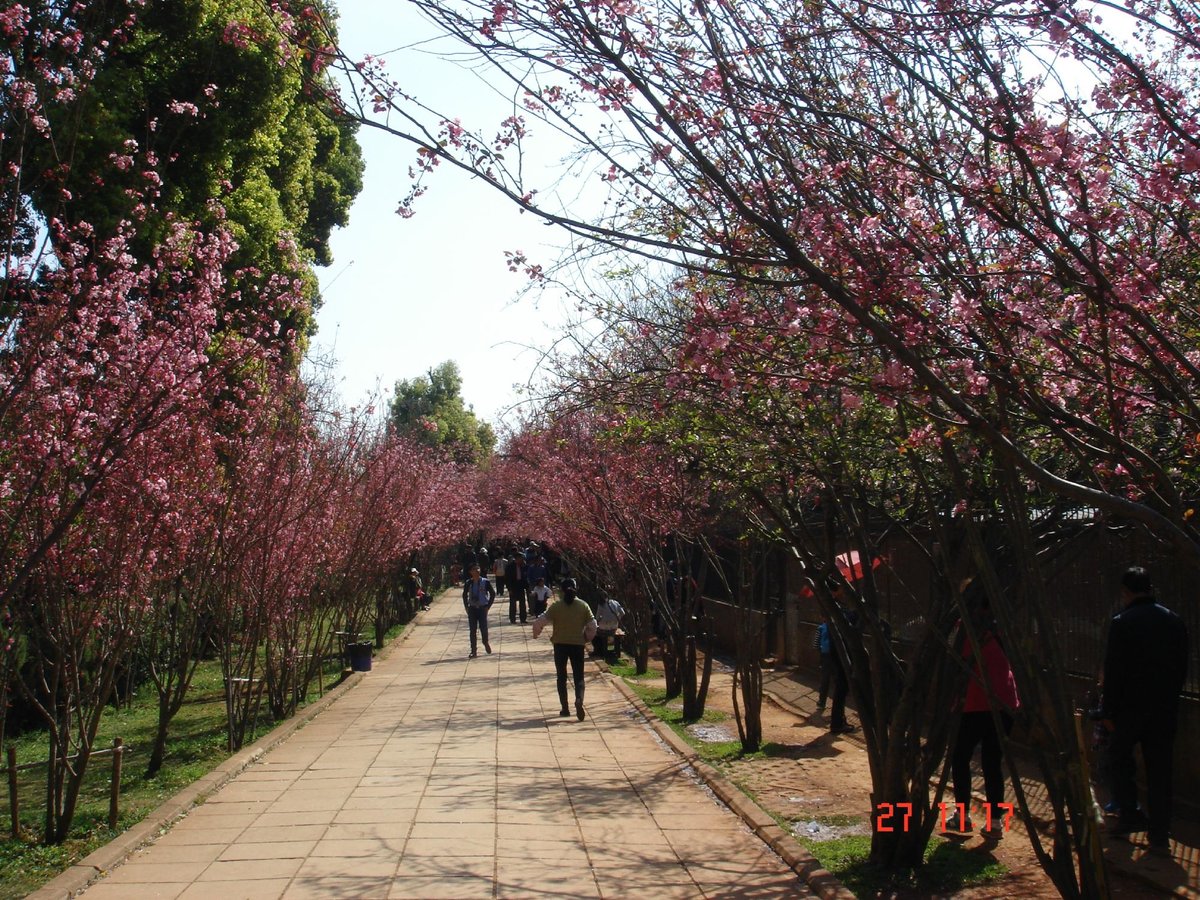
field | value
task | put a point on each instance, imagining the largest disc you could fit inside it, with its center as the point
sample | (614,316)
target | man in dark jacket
(478,597)
(515,581)
(1145,665)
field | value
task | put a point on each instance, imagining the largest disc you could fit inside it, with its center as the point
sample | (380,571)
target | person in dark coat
(1145,665)
(466,559)
(840,661)
(515,581)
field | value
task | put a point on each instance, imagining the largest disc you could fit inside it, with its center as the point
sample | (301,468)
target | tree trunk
(50,821)
(747,685)
(747,711)
(159,749)
(673,663)
(69,794)
(705,675)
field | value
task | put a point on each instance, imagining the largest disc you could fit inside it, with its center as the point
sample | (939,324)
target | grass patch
(709,751)
(731,751)
(656,699)
(628,671)
(949,866)
(718,751)
(196,745)
(394,632)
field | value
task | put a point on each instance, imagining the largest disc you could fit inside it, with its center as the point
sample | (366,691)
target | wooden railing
(117,751)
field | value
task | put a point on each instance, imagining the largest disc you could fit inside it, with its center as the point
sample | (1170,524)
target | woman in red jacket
(978,727)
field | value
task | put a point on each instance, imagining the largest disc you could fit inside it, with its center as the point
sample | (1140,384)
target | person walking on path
(514,579)
(574,627)
(608,623)
(977,727)
(1145,665)
(536,569)
(839,658)
(539,598)
(478,597)
(499,564)
(825,648)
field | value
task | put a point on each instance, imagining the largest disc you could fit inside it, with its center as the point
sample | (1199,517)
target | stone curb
(819,880)
(104,859)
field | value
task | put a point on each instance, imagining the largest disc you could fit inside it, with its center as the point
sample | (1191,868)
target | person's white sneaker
(958,822)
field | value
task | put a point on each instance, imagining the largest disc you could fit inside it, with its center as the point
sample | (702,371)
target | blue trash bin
(360,656)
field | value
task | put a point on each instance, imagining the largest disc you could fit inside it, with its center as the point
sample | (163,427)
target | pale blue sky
(406,294)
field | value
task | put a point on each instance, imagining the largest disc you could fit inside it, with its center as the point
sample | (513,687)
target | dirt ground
(822,778)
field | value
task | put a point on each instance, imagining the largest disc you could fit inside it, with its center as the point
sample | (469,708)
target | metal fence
(1083,580)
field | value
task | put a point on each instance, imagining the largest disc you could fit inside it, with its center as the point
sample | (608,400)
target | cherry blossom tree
(109,373)
(828,465)
(270,546)
(175,631)
(921,183)
(633,516)
(119,354)
(924,182)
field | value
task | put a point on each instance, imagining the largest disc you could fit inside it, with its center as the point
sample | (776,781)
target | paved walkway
(439,776)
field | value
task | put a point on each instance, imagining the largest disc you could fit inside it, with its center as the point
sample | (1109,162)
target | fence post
(1092,826)
(14,807)
(116,782)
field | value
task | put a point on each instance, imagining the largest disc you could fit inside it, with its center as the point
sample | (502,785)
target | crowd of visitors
(526,575)
(1144,673)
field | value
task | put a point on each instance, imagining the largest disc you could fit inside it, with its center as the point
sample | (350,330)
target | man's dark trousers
(477,616)
(516,597)
(1156,733)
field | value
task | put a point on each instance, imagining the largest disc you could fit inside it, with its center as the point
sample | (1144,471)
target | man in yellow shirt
(574,626)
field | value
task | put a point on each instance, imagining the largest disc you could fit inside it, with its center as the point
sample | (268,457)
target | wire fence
(1083,581)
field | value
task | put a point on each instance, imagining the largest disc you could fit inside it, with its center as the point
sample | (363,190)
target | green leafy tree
(200,95)
(430,409)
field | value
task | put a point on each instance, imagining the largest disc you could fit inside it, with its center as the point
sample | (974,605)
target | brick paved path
(439,776)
